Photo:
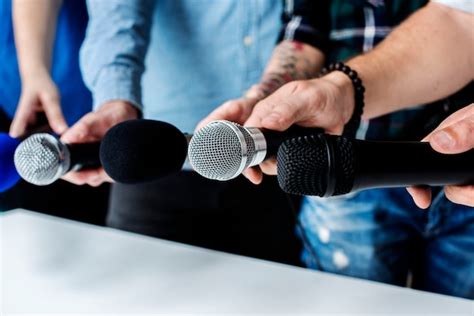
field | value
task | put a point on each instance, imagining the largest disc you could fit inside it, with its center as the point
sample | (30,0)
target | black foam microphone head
(142,150)
(319,165)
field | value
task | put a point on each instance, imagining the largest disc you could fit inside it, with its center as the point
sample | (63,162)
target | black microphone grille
(303,165)
(139,151)
(320,165)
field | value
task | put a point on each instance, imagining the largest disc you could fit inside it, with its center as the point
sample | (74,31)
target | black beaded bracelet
(350,129)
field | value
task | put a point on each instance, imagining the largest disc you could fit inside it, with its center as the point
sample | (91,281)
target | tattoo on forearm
(290,63)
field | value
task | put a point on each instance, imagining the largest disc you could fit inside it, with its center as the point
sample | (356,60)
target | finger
(463,195)
(254,175)
(52,109)
(269,166)
(456,138)
(421,196)
(457,116)
(295,102)
(94,177)
(22,117)
(271,115)
(82,131)
(235,111)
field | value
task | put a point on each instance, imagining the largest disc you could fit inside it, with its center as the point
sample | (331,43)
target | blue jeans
(381,235)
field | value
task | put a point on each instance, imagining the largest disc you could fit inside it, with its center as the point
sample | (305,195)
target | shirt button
(248,40)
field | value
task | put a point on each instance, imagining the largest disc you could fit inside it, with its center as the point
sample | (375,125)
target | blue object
(76,100)
(381,235)
(201,53)
(8,174)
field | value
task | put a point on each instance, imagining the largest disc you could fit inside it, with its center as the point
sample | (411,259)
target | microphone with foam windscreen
(8,173)
(41,159)
(222,150)
(325,165)
(139,151)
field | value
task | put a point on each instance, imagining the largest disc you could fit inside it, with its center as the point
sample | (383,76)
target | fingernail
(443,139)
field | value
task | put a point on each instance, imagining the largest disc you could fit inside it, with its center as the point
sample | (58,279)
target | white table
(50,265)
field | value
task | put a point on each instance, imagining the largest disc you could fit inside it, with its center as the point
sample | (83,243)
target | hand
(39,94)
(237,111)
(92,128)
(327,103)
(454,135)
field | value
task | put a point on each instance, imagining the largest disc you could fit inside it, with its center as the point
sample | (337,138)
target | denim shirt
(201,53)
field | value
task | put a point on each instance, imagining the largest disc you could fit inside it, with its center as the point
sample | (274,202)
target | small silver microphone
(41,159)
(221,150)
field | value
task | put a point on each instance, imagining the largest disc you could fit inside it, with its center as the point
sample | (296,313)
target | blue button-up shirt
(201,53)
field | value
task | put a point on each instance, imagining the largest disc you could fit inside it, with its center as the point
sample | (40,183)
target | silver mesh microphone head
(221,150)
(41,159)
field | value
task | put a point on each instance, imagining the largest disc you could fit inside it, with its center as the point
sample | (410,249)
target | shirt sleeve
(464,5)
(307,21)
(113,53)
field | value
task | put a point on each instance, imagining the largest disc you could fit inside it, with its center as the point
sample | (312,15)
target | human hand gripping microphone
(222,150)
(41,159)
(325,165)
(138,151)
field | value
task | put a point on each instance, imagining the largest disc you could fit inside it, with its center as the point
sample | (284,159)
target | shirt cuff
(118,83)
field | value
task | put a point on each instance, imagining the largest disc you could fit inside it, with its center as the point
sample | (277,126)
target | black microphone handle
(274,138)
(399,164)
(84,156)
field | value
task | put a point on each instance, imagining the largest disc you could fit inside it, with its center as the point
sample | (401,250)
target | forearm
(113,54)
(427,58)
(290,61)
(35,28)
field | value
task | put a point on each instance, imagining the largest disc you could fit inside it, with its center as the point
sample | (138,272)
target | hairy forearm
(428,57)
(290,61)
(35,26)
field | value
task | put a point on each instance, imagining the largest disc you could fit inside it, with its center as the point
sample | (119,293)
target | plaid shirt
(343,29)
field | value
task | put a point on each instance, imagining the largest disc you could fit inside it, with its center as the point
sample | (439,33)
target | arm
(299,55)
(112,62)
(35,28)
(290,61)
(428,57)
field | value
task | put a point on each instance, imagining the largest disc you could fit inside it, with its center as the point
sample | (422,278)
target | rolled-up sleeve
(113,53)
(307,21)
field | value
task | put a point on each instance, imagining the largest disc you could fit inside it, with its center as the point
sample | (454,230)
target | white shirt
(464,5)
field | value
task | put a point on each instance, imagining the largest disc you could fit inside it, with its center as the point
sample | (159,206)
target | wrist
(345,92)
(122,108)
(33,73)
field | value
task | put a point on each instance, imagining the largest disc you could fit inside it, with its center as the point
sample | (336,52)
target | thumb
(455,138)
(52,109)
(81,132)
(273,115)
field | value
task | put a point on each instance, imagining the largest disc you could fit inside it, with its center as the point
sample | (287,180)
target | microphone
(222,150)
(324,165)
(8,174)
(139,151)
(41,159)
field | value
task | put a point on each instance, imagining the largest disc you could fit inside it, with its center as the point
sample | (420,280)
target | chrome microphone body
(41,159)
(222,150)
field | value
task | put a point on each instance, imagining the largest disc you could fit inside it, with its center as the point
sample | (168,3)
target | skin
(454,135)
(403,71)
(290,61)
(92,128)
(35,27)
